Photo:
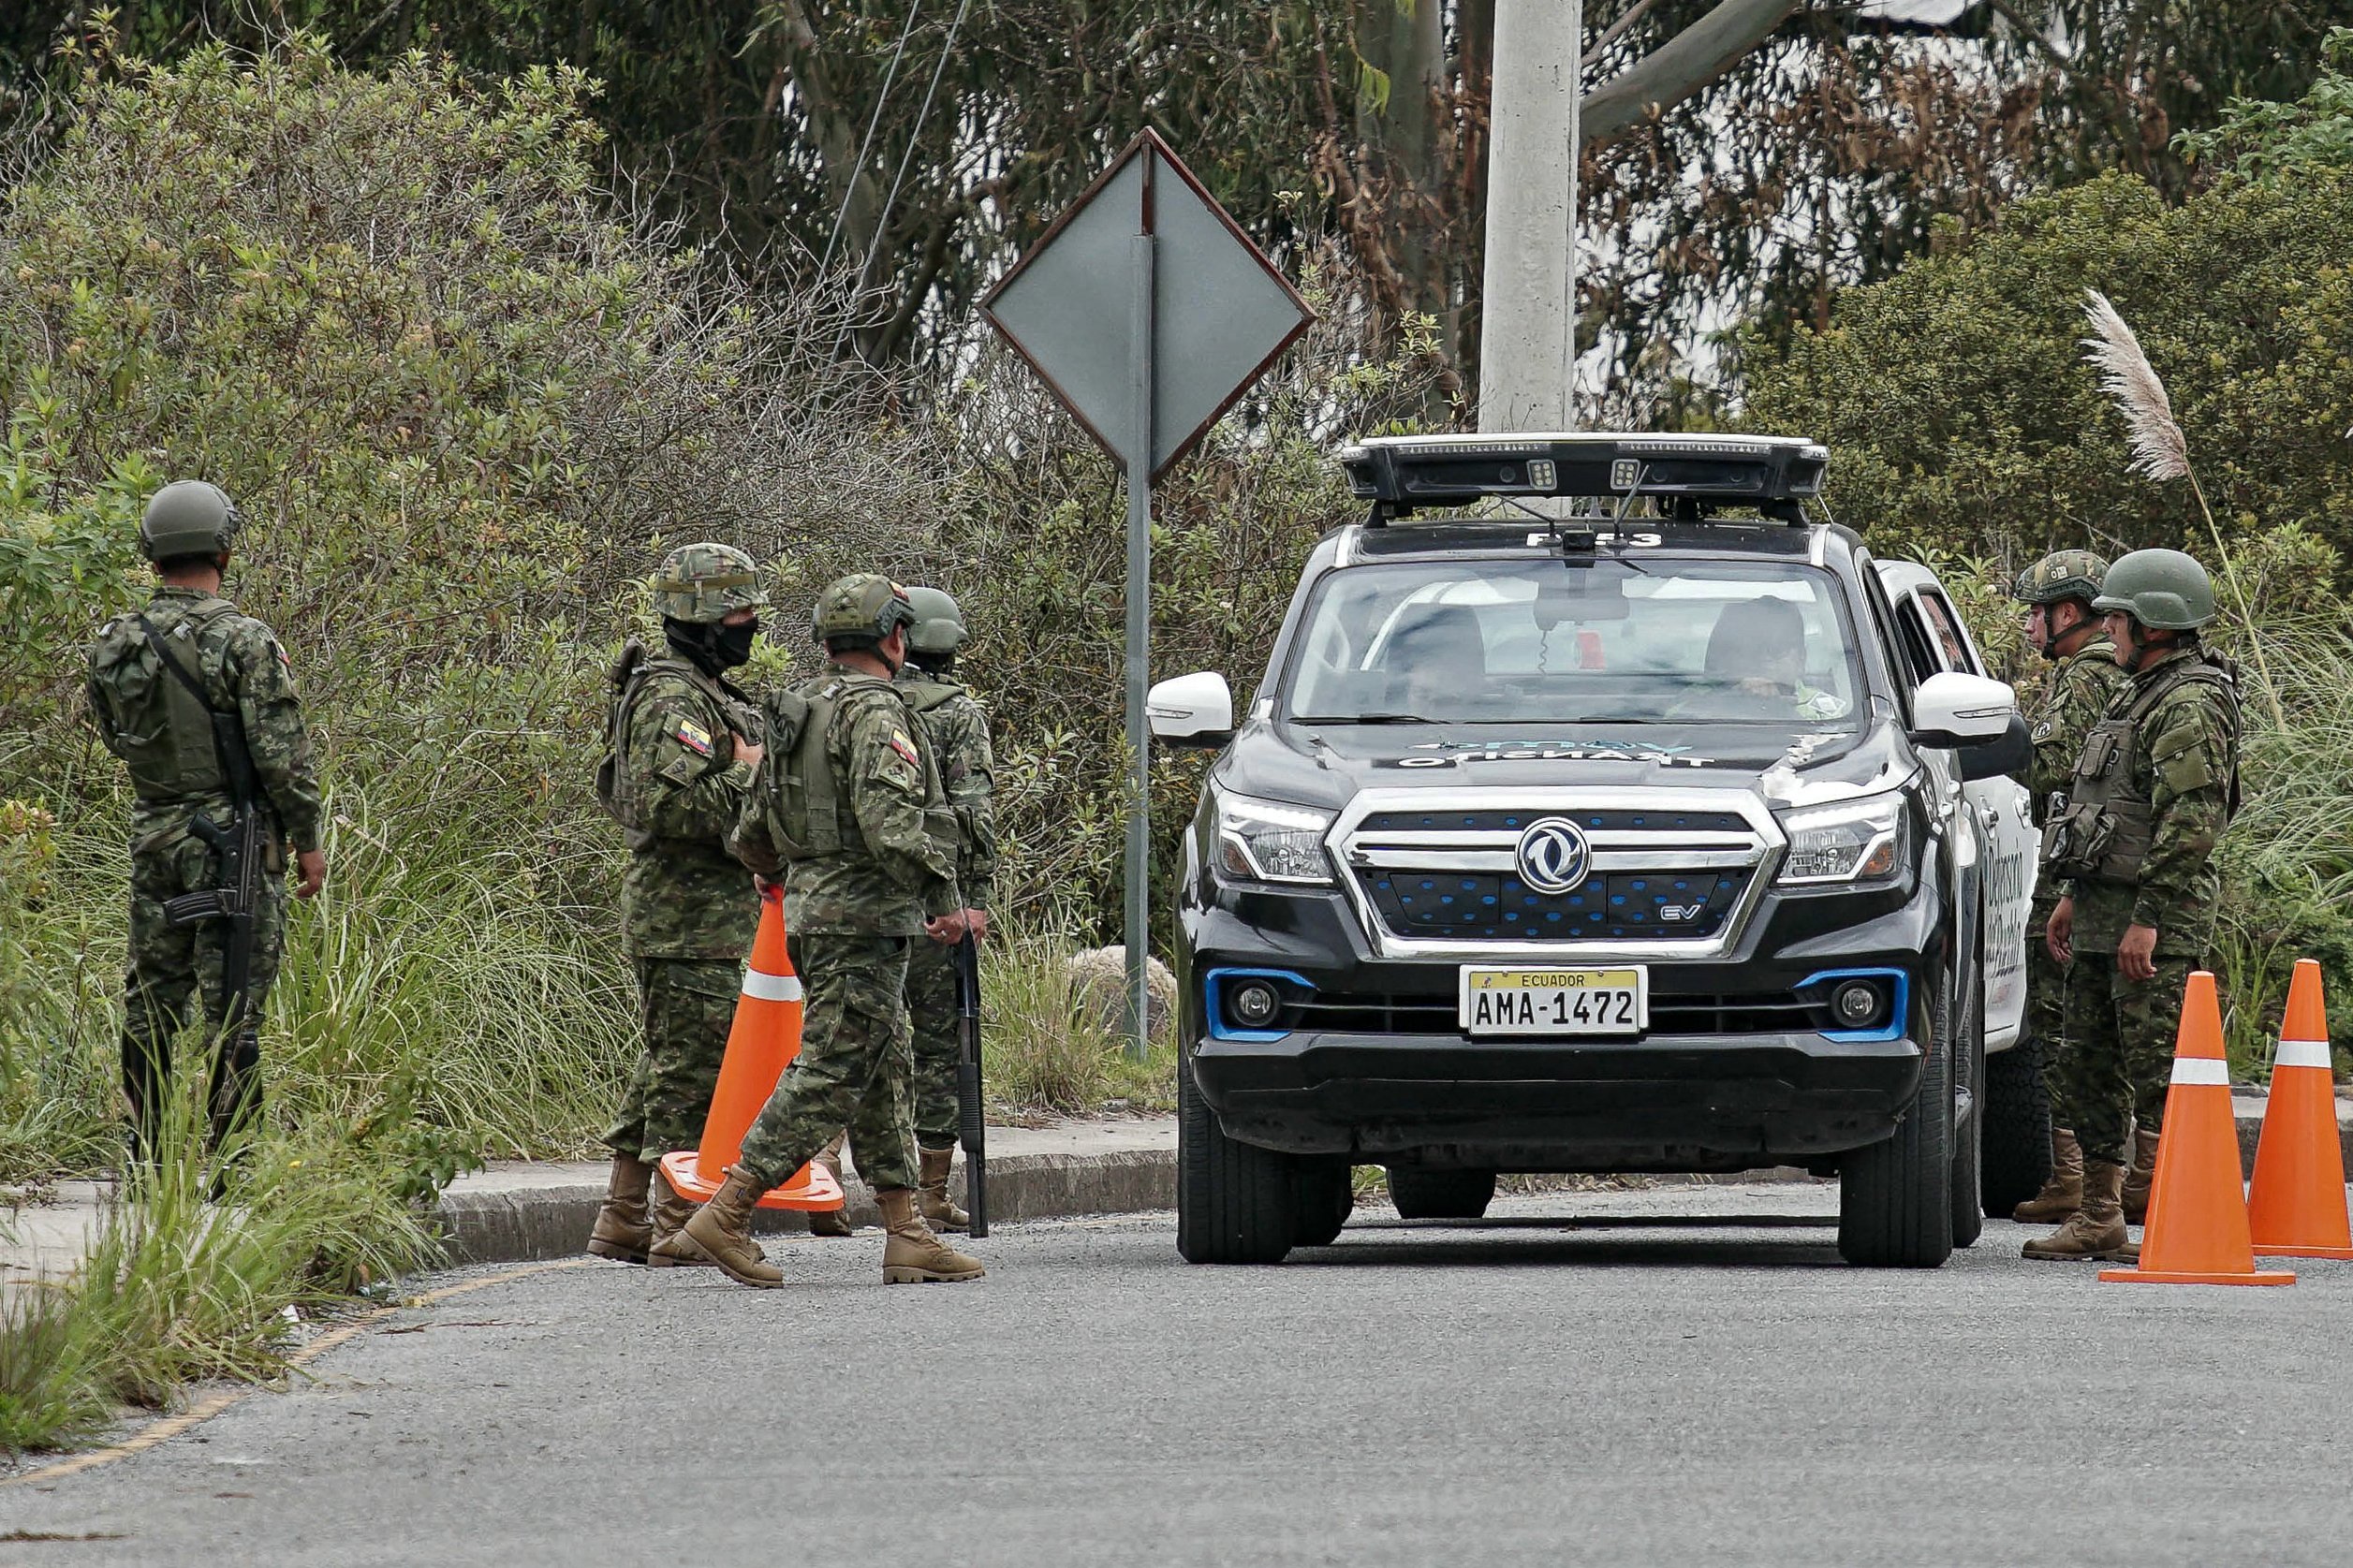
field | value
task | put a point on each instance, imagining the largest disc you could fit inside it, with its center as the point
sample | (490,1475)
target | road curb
(529,1223)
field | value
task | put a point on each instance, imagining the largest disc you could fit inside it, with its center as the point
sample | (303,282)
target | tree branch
(1678,68)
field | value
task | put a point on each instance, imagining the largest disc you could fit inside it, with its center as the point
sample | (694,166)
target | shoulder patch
(904,747)
(693,736)
(2043,731)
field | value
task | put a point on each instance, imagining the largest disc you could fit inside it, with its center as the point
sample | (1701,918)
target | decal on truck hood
(1449,753)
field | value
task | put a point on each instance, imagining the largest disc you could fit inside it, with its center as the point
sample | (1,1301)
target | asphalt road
(1585,1382)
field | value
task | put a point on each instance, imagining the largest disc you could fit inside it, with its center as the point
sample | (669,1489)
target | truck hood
(1326,765)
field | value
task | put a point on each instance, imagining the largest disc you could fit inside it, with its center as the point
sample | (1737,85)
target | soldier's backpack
(626,677)
(152,713)
(803,804)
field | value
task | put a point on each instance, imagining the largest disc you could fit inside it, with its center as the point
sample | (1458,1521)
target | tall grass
(178,1287)
(1042,1051)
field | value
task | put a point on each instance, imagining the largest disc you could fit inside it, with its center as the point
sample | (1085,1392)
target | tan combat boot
(932,1201)
(829,1221)
(911,1254)
(673,1246)
(2063,1194)
(723,1229)
(621,1232)
(2097,1230)
(2138,1180)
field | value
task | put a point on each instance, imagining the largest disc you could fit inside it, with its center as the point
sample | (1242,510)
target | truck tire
(1327,1196)
(1895,1196)
(1236,1202)
(2017,1128)
(1968,1134)
(1440,1194)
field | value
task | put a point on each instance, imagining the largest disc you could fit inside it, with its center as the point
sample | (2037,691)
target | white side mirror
(1191,711)
(1953,709)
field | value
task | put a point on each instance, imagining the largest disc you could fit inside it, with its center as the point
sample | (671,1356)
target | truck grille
(1665,872)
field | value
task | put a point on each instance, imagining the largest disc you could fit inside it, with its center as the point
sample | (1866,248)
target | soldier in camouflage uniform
(2135,843)
(847,799)
(956,733)
(2057,592)
(159,678)
(681,743)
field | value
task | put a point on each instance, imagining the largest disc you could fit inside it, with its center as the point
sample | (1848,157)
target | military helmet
(865,605)
(700,584)
(188,516)
(2162,589)
(939,626)
(2067,574)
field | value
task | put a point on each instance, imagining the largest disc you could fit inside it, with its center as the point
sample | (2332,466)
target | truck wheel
(1327,1196)
(2016,1127)
(1968,1137)
(1895,1198)
(1236,1202)
(1440,1194)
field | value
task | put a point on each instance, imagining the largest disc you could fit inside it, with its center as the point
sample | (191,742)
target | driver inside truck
(1760,645)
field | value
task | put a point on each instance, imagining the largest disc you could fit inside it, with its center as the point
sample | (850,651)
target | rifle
(235,1088)
(974,1128)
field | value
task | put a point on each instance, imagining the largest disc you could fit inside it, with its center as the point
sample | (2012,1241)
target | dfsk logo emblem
(1553,855)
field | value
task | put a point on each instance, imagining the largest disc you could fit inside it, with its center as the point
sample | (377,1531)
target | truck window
(1946,626)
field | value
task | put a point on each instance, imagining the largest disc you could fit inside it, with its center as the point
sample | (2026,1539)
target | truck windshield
(1605,640)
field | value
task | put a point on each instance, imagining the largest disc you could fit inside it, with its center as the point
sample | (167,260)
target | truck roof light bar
(1692,474)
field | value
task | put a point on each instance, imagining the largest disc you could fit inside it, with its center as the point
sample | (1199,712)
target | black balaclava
(713,647)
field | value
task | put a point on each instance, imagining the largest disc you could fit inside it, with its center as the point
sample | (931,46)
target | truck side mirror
(1195,710)
(2006,755)
(1954,711)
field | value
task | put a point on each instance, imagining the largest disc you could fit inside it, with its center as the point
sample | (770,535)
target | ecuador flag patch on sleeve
(904,747)
(694,737)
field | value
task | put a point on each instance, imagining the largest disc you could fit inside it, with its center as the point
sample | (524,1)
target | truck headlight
(1852,841)
(1267,841)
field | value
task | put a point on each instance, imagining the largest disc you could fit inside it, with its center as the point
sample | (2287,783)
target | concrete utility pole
(1527,354)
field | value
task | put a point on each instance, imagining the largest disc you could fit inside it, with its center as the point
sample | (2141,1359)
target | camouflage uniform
(851,912)
(177,777)
(2182,763)
(687,910)
(2082,685)
(956,733)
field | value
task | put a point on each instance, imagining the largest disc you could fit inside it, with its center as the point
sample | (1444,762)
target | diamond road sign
(1222,312)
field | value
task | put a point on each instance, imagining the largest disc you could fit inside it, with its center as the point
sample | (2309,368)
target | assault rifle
(974,1128)
(241,848)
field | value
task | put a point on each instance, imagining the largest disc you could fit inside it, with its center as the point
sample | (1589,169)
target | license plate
(1555,1002)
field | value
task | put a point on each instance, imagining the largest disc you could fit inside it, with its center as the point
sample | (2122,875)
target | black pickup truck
(1604,807)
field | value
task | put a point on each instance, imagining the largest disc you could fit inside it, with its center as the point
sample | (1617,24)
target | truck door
(2008,845)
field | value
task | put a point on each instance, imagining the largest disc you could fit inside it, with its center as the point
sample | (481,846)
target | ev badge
(1553,855)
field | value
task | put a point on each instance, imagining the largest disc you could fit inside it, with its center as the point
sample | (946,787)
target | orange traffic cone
(2296,1208)
(2198,1211)
(766,1036)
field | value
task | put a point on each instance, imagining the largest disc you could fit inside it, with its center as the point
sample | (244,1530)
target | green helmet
(863,607)
(188,516)
(939,625)
(2162,589)
(2067,574)
(700,584)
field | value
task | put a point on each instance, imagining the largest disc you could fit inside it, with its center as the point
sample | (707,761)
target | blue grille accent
(1612,906)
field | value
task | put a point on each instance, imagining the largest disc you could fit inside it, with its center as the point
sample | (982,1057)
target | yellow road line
(169,1427)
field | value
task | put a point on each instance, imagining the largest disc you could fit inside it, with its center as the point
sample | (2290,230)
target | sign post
(1145,248)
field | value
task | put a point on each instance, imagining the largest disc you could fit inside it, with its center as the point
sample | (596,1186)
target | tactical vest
(923,695)
(157,719)
(2105,828)
(630,673)
(808,814)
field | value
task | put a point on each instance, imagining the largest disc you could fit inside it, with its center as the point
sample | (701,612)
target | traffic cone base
(2295,1206)
(810,1188)
(765,1039)
(2196,1233)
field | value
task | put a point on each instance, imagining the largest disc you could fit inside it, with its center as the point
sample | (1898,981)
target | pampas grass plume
(2158,448)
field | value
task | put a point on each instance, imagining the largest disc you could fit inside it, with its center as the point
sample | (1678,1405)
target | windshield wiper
(1361,719)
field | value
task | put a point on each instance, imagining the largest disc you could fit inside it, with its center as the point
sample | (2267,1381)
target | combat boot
(673,1246)
(911,1254)
(2063,1194)
(2097,1230)
(829,1221)
(723,1229)
(932,1201)
(2141,1178)
(622,1231)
